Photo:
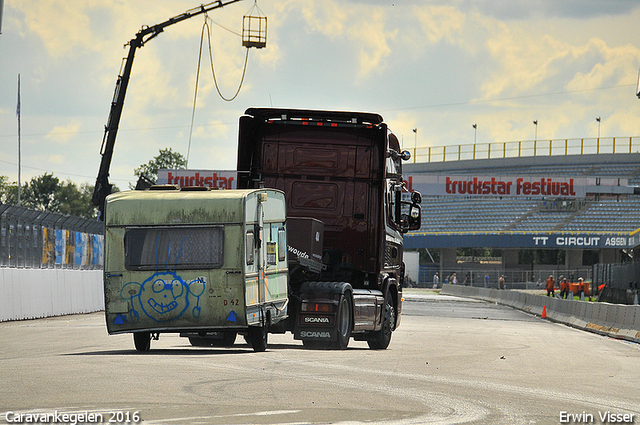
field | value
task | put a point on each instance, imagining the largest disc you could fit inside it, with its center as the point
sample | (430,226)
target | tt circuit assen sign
(518,186)
(224,179)
(521,240)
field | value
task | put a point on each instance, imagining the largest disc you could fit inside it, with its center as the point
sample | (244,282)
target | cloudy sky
(436,66)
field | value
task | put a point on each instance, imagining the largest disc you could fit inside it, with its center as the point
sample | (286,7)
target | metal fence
(515,278)
(620,283)
(525,148)
(40,239)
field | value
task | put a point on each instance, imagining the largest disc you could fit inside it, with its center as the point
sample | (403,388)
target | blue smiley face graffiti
(163,297)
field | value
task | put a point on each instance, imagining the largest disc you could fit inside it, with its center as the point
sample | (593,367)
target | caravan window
(169,248)
(282,244)
(250,248)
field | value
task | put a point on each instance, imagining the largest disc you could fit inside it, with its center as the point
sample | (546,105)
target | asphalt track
(451,361)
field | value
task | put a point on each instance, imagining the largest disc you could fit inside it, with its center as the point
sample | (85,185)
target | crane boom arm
(103,188)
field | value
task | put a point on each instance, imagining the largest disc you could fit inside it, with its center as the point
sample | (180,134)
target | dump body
(194,261)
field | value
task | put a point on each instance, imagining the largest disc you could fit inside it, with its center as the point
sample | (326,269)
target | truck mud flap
(315,326)
(319,325)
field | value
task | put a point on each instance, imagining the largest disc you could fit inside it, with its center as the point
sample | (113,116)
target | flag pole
(1,9)
(19,144)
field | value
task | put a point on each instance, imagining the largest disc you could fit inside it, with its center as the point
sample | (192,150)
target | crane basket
(254,28)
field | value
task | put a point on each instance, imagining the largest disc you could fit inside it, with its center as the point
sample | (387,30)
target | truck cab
(343,169)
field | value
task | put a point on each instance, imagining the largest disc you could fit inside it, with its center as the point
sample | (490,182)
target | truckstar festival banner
(520,186)
(221,179)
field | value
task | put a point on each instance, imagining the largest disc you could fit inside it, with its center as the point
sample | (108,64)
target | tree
(167,159)
(73,200)
(40,192)
(8,191)
(47,193)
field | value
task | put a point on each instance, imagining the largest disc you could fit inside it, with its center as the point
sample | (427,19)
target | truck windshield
(169,248)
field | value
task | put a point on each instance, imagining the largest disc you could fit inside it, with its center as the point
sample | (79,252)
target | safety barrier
(42,239)
(614,320)
(35,293)
(523,148)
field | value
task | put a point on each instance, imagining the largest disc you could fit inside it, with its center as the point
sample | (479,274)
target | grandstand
(602,216)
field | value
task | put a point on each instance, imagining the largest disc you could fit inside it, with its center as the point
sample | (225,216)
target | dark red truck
(341,173)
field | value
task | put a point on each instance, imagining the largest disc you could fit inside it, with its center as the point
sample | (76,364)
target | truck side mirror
(412,220)
(416,197)
(415,216)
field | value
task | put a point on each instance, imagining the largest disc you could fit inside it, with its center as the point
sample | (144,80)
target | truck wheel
(229,338)
(142,341)
(344,325)
(258,338)
(200,341)
(380,340)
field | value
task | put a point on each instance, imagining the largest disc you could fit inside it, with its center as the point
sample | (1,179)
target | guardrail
(41,239)
(614,320)
(522,148)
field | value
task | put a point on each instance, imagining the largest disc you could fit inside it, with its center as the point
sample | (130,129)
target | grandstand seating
(458,214)
(440,214)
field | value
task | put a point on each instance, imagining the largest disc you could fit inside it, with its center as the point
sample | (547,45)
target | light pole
(535,122)
(475,134)
(598,141)
(415,143)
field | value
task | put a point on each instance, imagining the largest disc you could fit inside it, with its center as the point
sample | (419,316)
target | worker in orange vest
(551,286)
(564,288)
(580,287)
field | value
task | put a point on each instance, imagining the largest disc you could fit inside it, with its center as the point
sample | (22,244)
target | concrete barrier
(564,310)
(578,315)
(614,320)
(34,293)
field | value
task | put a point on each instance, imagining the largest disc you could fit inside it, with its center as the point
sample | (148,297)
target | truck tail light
(317,307)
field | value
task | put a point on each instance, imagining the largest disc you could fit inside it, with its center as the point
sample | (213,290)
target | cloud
(56,159)
(62,134)
(611,65)
(373,42)
(357,27)
(326,17)
(62,26)
(441,22)
(549,9)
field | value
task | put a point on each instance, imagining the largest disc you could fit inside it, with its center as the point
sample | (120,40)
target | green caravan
(207,264)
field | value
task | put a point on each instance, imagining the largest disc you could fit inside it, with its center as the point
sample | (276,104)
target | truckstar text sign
(470,185)
(207,178)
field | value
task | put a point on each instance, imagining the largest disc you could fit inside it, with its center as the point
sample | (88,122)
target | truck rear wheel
(380,340)
(142,341)
(345,323)
(258,338)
